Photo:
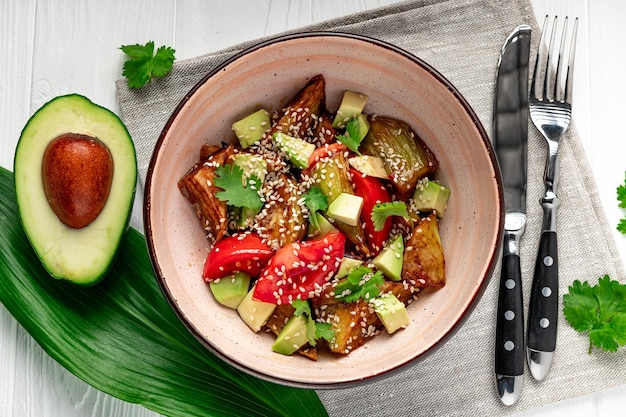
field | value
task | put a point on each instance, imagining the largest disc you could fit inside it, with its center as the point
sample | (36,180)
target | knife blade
(510,142)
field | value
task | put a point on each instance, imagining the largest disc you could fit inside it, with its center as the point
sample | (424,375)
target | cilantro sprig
(315,200)
(621,198)
(144,64)
(599,310)
(381,211)
(352,137)
(315,330)
(230,178)
(361,283)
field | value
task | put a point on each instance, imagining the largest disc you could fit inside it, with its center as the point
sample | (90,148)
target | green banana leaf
(122,337)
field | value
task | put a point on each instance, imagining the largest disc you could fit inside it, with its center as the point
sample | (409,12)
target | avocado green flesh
(292,337)
(231,290)
(389,260)
(391,312)
(431,196)
(81,255)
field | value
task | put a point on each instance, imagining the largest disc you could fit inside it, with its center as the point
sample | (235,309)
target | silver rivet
(510,284)
(509,346)
(509,315)
(548,261)
(546,291)
(544,322)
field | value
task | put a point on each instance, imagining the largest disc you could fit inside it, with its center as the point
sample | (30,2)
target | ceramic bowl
(399,85)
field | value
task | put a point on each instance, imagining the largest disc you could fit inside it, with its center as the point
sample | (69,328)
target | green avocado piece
(251,165)
(389,260)
(346,266)
(231,290)
(351,106)
(81,254)
(293,336)
(253,312)
(324,228)
(346,208)
(297,150)
(431,196)
(391,312)
(251,128)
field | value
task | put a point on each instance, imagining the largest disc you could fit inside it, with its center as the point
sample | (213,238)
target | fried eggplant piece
(207,150)
(405,156)
(332,176)
(198,188)
(424,262)
(282,313)
(281,221)
(324,133)
(355,322)
(300,116)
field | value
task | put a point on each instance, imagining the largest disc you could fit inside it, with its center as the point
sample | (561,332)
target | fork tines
(554,87)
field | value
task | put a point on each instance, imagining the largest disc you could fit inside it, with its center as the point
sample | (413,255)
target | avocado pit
(77,172)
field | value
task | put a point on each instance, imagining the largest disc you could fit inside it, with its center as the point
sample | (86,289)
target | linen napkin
(462,39)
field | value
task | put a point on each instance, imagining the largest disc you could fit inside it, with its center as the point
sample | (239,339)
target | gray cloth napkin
(462,39)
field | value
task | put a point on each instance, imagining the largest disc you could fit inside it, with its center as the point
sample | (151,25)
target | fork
(550,108)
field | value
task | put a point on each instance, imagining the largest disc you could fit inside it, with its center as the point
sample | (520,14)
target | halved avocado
(78,253)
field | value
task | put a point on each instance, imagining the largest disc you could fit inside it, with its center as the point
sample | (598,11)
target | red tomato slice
(244,252)
(373,191)
(299,269)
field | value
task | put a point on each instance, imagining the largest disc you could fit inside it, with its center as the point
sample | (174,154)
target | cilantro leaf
(381,211)
(361,282)
(599,310)
(302,307)
(352,137)
(314,200)
(314,330)
(621,226)
(621,198)
(324,331)
(230,179)
(143,64)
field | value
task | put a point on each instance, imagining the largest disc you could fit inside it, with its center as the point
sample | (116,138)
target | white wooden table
(57,47)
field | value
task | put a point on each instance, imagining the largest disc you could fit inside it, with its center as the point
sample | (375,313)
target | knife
(510,140)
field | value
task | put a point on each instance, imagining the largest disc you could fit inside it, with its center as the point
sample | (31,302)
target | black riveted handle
(544,296)
(509,348)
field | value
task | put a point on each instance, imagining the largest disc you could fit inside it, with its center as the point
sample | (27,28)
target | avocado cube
(323,228)
(346,208)
(346,266)
(297,150)
(351,106)
(251,164)
(253,312)
(251,128)
(231,290)
(293,336)
(431,196)
(389,260)
(391,312)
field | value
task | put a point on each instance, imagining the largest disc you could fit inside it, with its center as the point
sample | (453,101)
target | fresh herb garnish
(144,64)
(381,211)
(324,331)
(361,283)
(315,330)
(599,310)
(230,178)
(352,137)
(621,197)
(315,200)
